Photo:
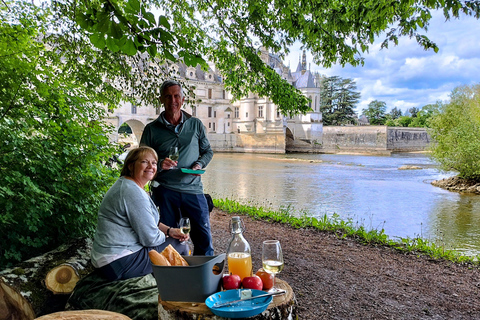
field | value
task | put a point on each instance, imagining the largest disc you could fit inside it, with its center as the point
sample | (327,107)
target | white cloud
(406,76)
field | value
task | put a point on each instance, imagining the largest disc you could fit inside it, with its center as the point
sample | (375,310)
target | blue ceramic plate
(184,170)
(243,309)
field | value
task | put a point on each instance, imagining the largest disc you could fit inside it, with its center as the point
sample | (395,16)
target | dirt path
(341,279)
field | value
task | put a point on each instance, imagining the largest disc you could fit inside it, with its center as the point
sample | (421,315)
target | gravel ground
(336,278)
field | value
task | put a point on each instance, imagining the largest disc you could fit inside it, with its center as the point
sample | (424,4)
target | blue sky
(406,76)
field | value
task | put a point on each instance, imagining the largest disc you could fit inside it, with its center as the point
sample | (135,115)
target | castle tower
(304,62)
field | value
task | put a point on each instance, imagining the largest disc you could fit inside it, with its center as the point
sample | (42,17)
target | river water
(370,190)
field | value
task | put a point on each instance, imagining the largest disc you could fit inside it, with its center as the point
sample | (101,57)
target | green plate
(192,171)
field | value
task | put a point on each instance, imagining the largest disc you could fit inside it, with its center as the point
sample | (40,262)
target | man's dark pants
(173,205)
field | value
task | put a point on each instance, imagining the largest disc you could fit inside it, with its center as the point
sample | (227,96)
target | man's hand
(168,164)
(196,166)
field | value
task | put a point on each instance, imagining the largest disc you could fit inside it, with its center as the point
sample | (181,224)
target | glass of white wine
(272,259)
(173,154)
(184,226)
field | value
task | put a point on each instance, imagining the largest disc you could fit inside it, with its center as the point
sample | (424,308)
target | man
(178,193)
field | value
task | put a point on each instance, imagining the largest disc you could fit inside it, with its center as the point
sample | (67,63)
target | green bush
(55,144)
(456,133)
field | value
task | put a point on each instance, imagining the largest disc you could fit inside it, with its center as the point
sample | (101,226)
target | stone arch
(137,127)
(289,139)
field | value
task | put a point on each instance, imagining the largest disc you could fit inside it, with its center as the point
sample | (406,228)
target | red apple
(267,279)
(252,283)
(231,281)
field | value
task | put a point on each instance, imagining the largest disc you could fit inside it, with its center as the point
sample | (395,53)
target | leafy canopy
(231,33)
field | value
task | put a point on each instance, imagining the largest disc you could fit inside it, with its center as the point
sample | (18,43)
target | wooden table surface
(283,304)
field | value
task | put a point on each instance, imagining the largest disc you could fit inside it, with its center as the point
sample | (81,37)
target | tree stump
(28,277)
(84,315)
(282,307)
(62,279)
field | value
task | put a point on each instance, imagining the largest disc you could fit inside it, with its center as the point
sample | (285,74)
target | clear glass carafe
(239,255)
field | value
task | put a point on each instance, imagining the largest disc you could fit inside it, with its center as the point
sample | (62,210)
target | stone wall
(356,139)
(375,139)
(248,142)
(407,139)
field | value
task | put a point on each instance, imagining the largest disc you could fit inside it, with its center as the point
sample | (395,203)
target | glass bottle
(239,255)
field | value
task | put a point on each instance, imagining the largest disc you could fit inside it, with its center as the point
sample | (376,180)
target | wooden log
(12,305)
(28,277)
(62,279)
(84,315)
(281,307)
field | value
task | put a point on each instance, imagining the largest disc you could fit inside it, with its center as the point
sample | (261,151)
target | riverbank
(457,184)
(339,278)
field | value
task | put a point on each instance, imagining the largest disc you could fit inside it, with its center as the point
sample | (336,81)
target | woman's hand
(177,234)
(173,232)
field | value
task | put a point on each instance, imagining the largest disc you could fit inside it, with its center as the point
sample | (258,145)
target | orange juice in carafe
(239,257)
(240,263)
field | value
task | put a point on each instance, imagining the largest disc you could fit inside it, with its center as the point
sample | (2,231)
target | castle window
(260,111)
(237,112)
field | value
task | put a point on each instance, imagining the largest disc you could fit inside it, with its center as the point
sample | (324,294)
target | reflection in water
(459,222)
(370,190)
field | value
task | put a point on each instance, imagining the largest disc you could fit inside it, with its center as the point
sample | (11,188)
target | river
(370,190)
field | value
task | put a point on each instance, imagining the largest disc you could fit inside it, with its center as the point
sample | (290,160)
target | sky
(406,75)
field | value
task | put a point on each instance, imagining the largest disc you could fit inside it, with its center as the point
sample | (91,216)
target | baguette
(158,259)
(173,256)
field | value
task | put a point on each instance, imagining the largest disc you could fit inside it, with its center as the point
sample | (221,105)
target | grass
(345,229)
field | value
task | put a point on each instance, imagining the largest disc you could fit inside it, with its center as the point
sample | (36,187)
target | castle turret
(304,62)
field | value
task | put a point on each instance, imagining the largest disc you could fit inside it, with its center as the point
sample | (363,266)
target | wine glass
(184,226)
(272,259)
(174,154)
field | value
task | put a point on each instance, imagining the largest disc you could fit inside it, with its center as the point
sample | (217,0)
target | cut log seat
(282,307)
(84,315)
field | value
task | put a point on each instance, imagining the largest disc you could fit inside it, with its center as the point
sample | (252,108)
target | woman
(128,222)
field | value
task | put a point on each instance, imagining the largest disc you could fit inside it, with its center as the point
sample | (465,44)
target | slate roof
(305,80)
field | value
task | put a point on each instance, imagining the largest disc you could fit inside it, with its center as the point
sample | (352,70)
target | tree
(337,100)
(395,113)
(230,33)
(375,112)
(455,131)
(55,144)
(413,112)
(424,115)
